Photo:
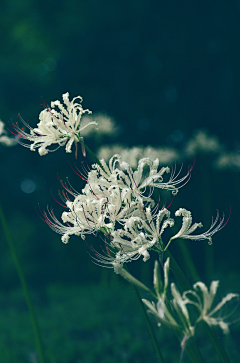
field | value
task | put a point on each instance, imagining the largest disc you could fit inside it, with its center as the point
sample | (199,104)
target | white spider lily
(134,240)
(56,127)
(86,216)
(187,228)
(203,300)
(135,183)
(139,235)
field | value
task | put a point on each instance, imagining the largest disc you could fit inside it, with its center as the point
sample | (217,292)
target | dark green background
(156,67)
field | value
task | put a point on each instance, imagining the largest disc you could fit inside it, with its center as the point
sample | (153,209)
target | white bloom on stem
(62,126)
(138,183)
(188,228)
(203,300)
(139,234)
(140,179)
(85,216)
(174,312)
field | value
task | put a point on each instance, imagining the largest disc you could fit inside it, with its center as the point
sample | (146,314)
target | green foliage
(89,324)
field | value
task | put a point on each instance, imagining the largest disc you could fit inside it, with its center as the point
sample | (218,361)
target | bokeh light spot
(28,186)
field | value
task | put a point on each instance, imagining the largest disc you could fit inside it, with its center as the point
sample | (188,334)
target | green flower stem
(191,349)
(25,288)
(185,285)
(94,157)
(155,343)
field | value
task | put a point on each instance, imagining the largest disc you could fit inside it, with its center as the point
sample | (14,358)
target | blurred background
(167,74)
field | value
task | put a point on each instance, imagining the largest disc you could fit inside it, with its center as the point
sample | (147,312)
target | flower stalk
(36,329)
(153,336)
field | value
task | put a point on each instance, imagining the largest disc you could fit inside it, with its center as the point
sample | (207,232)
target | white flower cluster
(117,202)
(62,126)
(174,312)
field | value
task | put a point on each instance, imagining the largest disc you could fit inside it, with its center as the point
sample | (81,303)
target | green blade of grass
(32,314)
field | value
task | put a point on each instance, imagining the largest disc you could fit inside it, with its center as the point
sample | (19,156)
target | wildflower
(146,177)
(138,235)
(85,216)
(174,312)
(138,181)
(187,228)
(203,300)
(115,196)
(56,127)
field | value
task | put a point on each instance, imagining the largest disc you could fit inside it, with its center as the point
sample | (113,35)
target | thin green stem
(25,288)
(153,336)
(191,349)
(185,285)
(94,157)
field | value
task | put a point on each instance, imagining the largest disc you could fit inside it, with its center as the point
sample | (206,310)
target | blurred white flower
(131,155)
(56,127)
(201,142)
(107,126)
(228,160)
(166,155)
(4,139)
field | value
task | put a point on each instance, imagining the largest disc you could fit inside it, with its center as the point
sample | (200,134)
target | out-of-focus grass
(88,324)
